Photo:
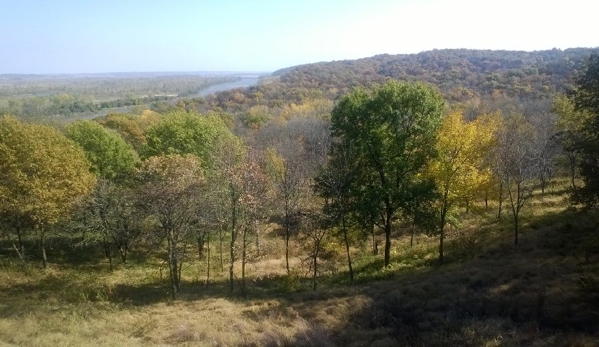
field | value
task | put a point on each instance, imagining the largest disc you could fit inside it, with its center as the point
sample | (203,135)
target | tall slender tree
(459,168)
(171,187)
(518,163)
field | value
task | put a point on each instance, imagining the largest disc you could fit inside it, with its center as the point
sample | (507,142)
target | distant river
(245,81)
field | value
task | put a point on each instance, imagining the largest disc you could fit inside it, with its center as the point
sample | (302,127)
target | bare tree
(546,146)
(171,187)
(313,235)
(114,211)
(518,162)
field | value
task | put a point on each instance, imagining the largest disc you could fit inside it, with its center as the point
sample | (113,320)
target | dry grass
(489,293)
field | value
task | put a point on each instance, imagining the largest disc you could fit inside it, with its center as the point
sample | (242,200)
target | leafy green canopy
(391,131)
(586,100)
(191,133)
(42,172)
(110,156)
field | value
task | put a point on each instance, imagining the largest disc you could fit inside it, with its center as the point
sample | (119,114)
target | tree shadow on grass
(542,289)
(60,250)
(545,291)
(546,288)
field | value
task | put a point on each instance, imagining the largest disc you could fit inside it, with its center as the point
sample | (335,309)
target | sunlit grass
(487,292)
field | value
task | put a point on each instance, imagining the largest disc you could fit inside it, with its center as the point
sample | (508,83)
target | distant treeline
(66,104)
(106,86)
(32,96)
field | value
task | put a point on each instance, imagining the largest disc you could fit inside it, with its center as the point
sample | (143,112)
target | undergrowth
(487,292)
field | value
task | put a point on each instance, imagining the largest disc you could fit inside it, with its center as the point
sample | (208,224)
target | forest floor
(488,292)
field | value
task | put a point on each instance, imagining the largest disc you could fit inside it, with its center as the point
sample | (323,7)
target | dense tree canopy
(42,174)
(131,127)
(392,130)
(109,155)
(585,98)
(190,133)
(42,171)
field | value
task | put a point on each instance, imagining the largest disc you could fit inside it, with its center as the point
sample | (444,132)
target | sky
(94,36)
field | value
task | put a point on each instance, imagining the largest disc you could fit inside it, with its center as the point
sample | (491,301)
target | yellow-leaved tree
(459,170)
(42,172)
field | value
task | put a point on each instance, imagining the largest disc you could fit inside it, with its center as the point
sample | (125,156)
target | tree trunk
(208,259)
(317,245)
(543,184)
(200,240)
(375,248)
(220,246)
(18,253)
(43,246)
(232,246)
(516,228)
(243,259)
(179,269)
(124,251)
(20,240)
(442,226)
(516,202)
(258,242)
(345,236)
(173,266)
(107,251)
(287,236)
(388,240)
(412,233)
(500,200)
(572,160)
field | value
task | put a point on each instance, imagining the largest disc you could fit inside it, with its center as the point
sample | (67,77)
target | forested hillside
(459,74)
(450,200)
(463,76)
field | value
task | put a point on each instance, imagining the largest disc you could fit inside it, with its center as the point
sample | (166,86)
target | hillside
(488,294)
(463,76)
(288,214)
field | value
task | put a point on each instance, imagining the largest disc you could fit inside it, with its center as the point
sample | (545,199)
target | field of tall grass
(544,292)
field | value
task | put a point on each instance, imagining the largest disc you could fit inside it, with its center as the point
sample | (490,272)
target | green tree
(43,173)
(190,133)
(393,132)
(131,127)
(569,125)
(585,98)
(333,183)
(111,157)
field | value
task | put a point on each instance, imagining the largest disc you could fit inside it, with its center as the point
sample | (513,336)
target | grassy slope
(544,292)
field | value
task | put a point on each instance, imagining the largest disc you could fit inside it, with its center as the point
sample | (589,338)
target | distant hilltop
(460,74)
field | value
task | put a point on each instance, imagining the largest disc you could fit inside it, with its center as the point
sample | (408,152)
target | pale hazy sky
(79,36)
